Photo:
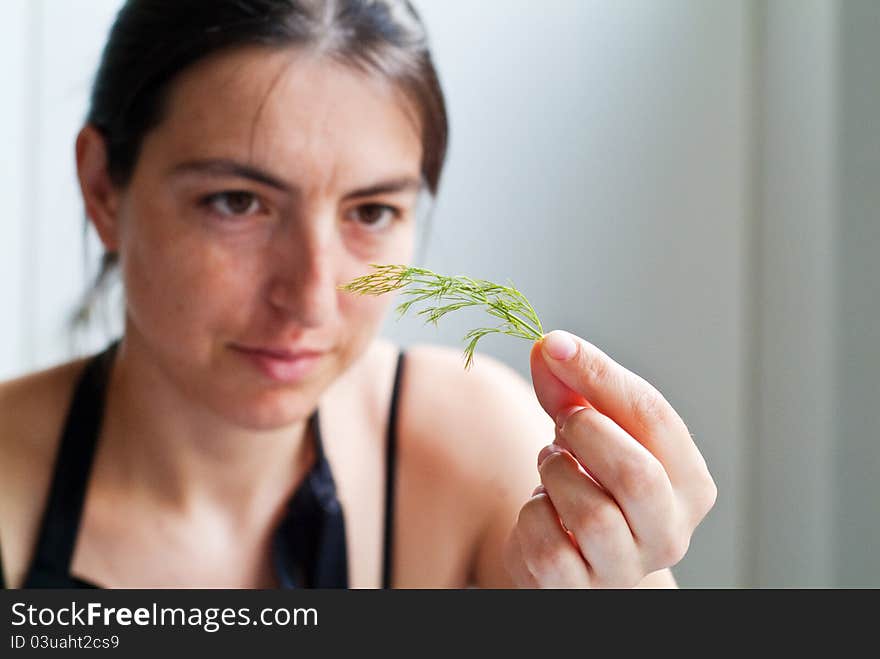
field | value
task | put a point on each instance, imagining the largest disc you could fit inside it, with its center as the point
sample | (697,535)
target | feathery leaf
(449,294)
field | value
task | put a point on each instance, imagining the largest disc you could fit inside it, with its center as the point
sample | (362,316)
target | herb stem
(451,294)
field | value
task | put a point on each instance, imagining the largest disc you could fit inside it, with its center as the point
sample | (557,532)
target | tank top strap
(309,546)
(56,540)
(391,473)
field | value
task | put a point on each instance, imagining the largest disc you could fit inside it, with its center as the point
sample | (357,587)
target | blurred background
(692,185)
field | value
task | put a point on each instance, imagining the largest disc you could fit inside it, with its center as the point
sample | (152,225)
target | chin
(269,413)
(252,402)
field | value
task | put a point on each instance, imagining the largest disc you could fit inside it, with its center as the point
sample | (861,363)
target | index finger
(628,399)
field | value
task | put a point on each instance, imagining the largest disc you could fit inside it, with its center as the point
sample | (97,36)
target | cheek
(178,283)
(363,312)
(370,310)
(362,317)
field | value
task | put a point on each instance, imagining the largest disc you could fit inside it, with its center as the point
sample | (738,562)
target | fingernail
(539,490)
(559,345)
(562,417)
(546,452)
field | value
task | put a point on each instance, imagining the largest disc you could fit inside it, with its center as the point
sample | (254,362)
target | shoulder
(486,427)
(32,411)
(491,407)
(32,408)
(31,404)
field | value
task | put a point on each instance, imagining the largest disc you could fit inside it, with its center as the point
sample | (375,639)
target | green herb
(444,294)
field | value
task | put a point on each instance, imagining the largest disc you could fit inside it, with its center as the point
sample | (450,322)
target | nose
(302,283)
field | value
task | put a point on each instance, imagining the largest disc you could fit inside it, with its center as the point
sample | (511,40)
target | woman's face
(273,177)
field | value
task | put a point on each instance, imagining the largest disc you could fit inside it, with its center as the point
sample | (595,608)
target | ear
(100,196)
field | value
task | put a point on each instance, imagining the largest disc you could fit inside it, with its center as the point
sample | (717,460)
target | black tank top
(308,547)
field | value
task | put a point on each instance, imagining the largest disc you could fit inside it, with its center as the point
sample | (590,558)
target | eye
(233,203)
(375,216)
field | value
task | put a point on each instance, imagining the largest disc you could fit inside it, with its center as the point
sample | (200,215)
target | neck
(185,455)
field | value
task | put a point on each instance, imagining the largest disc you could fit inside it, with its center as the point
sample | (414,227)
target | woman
(240,160)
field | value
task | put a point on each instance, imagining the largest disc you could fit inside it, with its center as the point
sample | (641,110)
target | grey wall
(814,507)
(792,397)
(600,158)
(857,449)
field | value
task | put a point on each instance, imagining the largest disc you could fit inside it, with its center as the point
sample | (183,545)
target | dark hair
(153,41)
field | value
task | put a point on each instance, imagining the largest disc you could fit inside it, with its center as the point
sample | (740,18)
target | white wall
(659,176)
(65,72)
(15,130)
(54,47)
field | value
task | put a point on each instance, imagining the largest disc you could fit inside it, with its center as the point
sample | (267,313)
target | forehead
(288,110)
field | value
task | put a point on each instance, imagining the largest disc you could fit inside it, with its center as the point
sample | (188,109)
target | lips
(281,353)
(281,364)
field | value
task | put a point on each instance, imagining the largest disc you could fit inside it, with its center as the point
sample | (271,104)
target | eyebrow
(226,167)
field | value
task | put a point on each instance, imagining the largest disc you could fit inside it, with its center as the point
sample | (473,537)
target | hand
(622,486)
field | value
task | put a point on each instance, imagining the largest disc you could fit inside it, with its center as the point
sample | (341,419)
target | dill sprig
(444,294)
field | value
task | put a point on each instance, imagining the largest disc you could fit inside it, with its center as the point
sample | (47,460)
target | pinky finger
(546,547)
(515,564)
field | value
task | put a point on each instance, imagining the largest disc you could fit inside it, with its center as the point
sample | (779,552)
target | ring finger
(594,519)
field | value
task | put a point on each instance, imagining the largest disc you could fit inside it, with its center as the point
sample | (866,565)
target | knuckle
(590,420)
(529,513)
(701,496)
(597,521)
(650,408)
(672,548)
(641,477)
(552,465)
(707,497)
(596,368)
(549,558)
(586,422)
(543,554)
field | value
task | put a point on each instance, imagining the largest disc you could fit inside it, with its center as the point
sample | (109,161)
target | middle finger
(630,474)
(594,519)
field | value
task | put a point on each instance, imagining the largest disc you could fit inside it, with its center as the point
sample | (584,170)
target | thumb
(554,396)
